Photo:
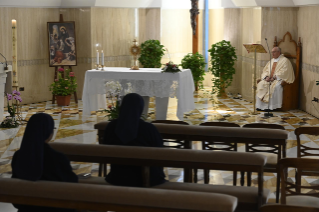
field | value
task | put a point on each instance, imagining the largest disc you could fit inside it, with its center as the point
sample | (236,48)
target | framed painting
(62,44)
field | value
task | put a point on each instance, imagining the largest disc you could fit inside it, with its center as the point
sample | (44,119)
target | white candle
(14,54)
(102,58)
(97,57)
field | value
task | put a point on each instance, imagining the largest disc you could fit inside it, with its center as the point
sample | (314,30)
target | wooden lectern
(256,48)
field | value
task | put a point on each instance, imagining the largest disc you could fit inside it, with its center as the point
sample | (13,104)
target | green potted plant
(196,63)
(63,87)
(223,57)
(151,54)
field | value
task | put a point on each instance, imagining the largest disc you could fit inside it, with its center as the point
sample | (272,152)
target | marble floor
(72,127)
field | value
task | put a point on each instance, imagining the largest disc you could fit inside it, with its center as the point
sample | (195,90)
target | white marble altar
(3,79)
(147,82)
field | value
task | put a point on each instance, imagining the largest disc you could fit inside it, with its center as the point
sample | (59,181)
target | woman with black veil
(130,130)
(36,160)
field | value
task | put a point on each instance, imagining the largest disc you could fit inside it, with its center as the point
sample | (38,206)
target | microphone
(5,68)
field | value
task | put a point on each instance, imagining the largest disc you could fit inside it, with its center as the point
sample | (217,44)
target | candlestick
(97,57)
(14,54)
(102,58)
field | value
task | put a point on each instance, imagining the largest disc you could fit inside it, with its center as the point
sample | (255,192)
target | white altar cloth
(146,82)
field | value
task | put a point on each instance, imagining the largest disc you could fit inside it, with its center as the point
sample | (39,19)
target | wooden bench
(249,198)
(115,198)
(189,133)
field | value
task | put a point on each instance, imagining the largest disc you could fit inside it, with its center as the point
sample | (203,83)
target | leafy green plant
(196,63)
(223,57)
(64,86)
(151,54)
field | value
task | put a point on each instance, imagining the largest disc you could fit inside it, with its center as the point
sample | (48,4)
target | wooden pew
(189,133)
(249,198)
(114,198)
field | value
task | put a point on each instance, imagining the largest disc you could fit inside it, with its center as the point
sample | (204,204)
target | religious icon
(135,51)
(62,45)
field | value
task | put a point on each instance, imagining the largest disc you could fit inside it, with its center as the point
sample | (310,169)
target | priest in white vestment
(281,73)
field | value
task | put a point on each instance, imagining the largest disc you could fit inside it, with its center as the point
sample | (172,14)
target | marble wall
(34,73)
(308,30)
(251,33)
(149,24)
(176,34)
(113,29)
(237,26)
(82,18)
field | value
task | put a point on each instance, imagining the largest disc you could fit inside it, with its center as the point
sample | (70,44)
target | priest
(281,74)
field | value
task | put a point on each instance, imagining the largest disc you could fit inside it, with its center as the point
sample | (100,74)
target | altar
(5,76)
(148,82)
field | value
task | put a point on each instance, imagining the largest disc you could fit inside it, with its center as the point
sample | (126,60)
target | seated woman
(130,130)
(36,160)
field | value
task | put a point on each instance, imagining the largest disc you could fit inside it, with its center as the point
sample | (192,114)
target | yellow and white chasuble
(282,70)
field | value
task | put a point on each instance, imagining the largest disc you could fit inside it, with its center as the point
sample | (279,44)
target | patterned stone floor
(72,127)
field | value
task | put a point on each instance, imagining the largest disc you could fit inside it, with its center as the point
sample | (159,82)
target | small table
(147,82)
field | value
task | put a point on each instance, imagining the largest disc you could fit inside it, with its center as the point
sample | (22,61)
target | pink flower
(167,64)
(16,97)
(110,106)
(9,96)
(19,99)
(66,87)
(56,80)
(14,92)
(18,93)
(174,65)
(71,74)
(61,70)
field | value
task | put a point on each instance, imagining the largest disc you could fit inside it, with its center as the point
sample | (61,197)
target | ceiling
(165,4)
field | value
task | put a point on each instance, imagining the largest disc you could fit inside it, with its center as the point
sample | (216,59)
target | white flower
(129,89)
(113,88)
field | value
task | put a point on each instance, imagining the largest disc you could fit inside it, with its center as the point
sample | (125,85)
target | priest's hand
(283,83)
(272,79)
(267,79)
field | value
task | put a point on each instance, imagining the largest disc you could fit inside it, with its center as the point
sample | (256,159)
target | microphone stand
(268,114)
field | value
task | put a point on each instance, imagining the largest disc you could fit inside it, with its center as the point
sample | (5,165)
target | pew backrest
(114,198)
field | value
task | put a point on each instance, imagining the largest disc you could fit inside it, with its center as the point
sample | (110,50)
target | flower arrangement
(13,101)
(64,86)
(114,90)
(171,67)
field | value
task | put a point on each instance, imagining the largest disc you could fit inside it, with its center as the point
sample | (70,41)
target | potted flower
(196,63)
(63,87)
(223,57)
(13,101)
(151,54)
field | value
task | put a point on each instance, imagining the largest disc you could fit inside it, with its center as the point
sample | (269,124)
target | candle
(102,58)
(97,57)
(14,54)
